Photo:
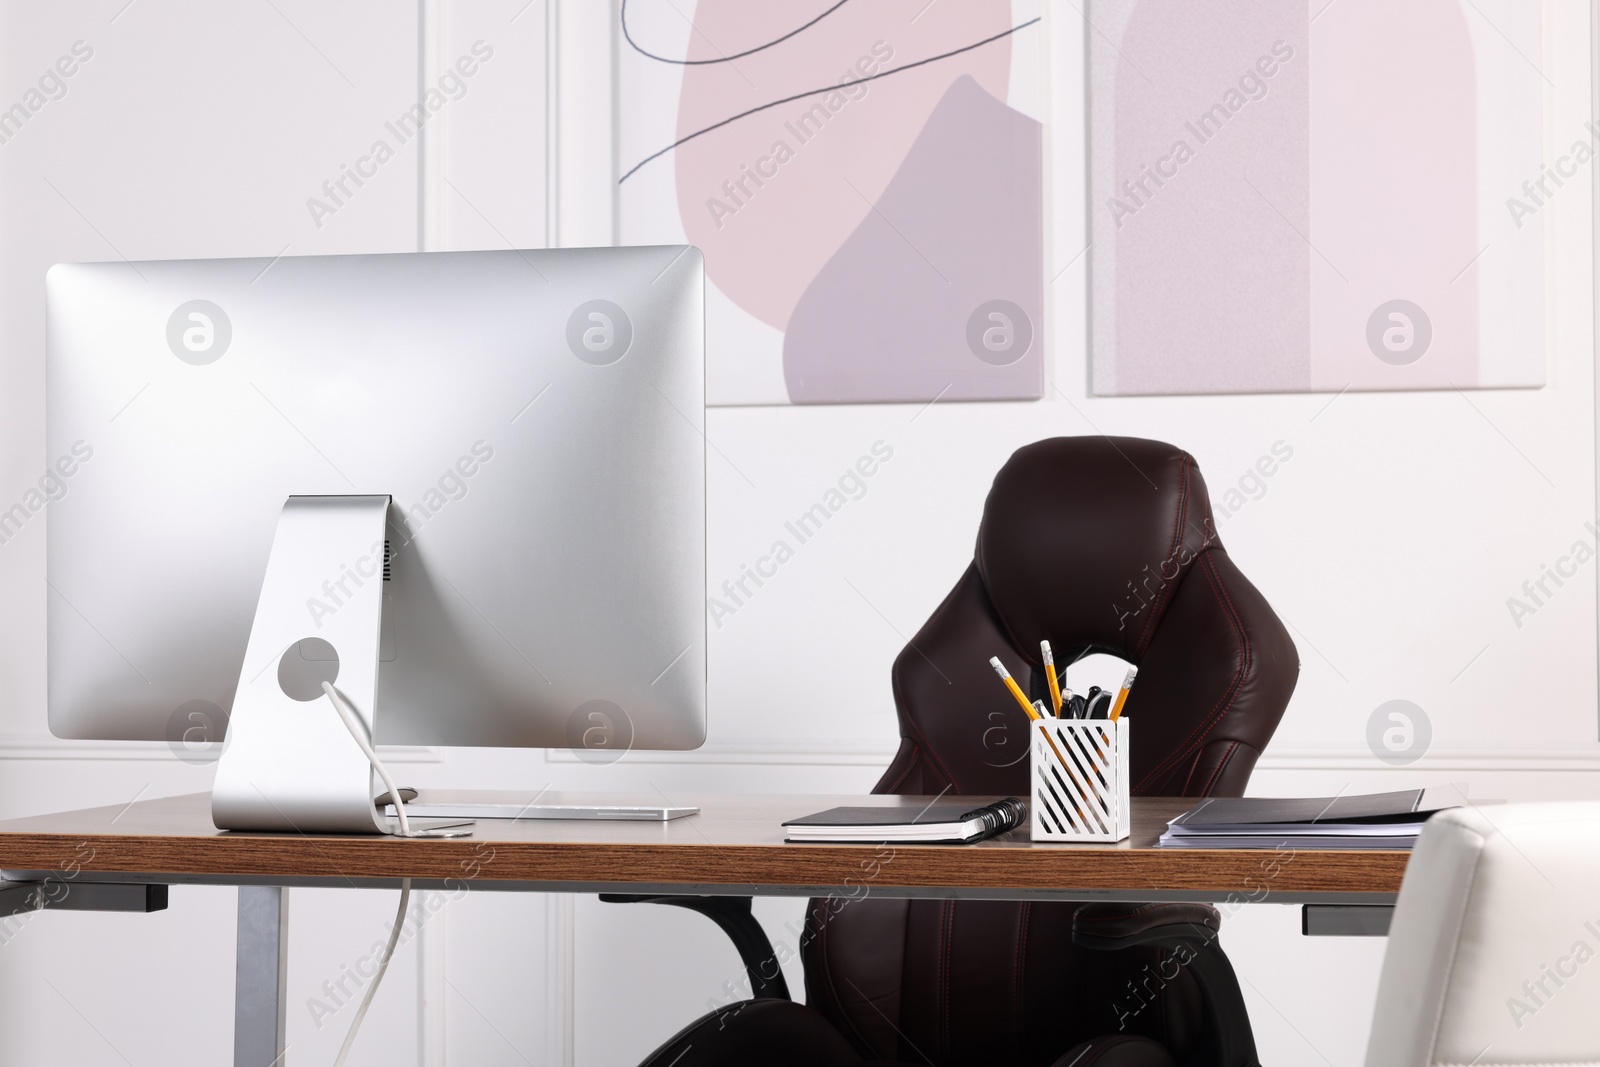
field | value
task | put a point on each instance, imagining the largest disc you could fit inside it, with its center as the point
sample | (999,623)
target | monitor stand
(289,764)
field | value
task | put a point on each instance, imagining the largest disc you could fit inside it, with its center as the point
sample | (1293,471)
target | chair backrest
(1494,950)
(1096,544)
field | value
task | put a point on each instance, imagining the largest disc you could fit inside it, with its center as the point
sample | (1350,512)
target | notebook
(1370,821)
(942,822)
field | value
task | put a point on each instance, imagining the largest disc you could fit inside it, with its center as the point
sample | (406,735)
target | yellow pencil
(1122,696)
(1033,713)
(1011,684)
(1050,673)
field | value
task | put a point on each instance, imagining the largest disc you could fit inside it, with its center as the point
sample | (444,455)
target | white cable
(353,723)
(383,964)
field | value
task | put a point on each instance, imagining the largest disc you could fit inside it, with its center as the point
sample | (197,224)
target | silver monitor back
(536,417)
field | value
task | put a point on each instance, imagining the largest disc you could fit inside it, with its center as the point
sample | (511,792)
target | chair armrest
(1116,926)
(1189,934)
(734,916)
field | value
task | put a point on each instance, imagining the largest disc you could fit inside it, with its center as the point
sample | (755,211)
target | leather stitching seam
(1189,745)
(947,919)
(840,1010)
(911,765)
(1162,594)
(1016,981)
(1216,773)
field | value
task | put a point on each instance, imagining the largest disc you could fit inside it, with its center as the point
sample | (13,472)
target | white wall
(202,129)
(1390,541)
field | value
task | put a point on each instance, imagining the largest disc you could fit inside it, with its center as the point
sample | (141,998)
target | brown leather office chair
(1099,545)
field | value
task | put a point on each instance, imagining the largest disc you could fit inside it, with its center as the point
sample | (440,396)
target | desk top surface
(735,845)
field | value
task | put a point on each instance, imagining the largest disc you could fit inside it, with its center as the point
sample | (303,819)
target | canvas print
(825,156)
(1290,195)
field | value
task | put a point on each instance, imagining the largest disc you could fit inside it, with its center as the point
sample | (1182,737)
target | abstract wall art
(864,178)
(1297,195)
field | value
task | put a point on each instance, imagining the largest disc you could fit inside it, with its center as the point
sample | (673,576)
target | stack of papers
(1372,821)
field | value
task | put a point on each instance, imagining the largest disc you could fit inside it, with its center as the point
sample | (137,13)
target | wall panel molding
(583,145)
(857,754)
(560,979)
(45,747)
(751,753)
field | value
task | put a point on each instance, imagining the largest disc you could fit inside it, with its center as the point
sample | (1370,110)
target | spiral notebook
(942,822)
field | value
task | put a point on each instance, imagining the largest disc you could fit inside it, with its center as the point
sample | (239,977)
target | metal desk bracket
(1346,920)
(55,894)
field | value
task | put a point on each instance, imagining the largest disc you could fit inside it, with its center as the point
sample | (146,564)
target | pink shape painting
(929,298)
(825,160)
(1288,203)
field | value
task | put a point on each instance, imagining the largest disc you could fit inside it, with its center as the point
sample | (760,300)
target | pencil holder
(1080,779)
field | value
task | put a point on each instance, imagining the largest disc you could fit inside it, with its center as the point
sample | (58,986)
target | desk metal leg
(260,975)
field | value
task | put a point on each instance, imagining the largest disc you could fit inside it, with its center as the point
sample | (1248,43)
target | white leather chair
(1494,952)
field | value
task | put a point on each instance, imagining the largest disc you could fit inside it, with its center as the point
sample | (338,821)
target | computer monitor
(535,417)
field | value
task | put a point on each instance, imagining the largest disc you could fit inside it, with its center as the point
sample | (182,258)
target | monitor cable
(358,730)
(383,965)
(353,723)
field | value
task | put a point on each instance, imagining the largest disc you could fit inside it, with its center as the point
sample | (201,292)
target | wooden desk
(733,847)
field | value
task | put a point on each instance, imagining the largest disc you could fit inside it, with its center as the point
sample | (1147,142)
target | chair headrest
(1084,541)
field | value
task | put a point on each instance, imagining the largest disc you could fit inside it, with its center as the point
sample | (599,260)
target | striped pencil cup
(1080,779)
